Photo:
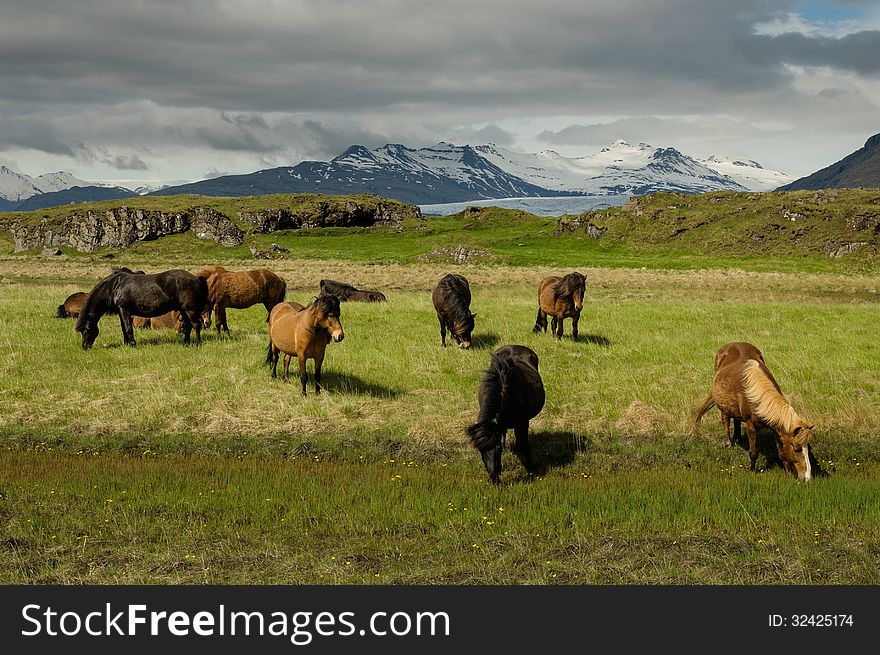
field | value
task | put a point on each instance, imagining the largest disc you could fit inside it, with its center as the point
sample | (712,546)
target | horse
(743,389)
(128,293)
(72,306)
(452,301)
(168,321)
(303,332)
(346,292)
(561,298)
(238,290)
(511,394)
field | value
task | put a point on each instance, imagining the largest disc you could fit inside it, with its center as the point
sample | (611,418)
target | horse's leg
(127,327)
(319,359)
(725,423)
(187,325)
(286,365)
(523,448)
(303,374)
(220,317)
(554,325)
(737,434)
(540,322)
(752,431)
(574,326)
(442,331)
(559,324)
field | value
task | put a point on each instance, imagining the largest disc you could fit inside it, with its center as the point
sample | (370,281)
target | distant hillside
(75,194)
(861,169)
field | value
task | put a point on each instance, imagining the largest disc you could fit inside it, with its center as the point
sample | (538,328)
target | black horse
(511,394)
(348,293)
(129,293)
(452,301)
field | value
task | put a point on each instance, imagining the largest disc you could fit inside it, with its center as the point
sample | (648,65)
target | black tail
(61,313)
(487,431)
(269,358)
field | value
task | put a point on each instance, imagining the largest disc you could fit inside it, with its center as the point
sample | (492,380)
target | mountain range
(442,173)
(859,169)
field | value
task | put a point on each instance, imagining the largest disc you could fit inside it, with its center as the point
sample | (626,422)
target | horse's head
(463,330)
(327,307)
(794,450)
(577,285)
(206,317)
(89,330)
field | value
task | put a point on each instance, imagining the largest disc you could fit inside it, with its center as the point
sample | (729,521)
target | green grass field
(168,464)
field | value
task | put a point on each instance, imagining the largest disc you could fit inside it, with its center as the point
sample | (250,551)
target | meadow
(172,464)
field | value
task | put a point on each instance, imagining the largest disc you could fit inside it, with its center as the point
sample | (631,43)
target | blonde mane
(768,403)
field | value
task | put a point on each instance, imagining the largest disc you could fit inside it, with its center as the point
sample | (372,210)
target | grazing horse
(72,306)
(303,332)
(743,389)
(168,321)
(238,290)
(560,298)
(452,302)
(346,292)
(511,394)
(135,294)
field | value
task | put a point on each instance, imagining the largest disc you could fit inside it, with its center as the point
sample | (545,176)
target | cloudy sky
(186,89)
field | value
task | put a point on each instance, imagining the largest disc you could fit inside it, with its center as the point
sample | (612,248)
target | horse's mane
(326,303)
(767,401)
(458,309)
(486,430)
(99,300)
(567,285)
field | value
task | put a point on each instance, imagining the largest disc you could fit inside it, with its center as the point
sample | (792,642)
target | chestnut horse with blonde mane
(743,389)
(239,290)
(561,298)
(303,332)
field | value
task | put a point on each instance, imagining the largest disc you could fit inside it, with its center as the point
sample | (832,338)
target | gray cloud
(127,163)
(268,82)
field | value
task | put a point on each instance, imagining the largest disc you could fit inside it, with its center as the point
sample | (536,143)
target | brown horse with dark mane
(511,394)
(238,290)
(452,302)
(743,389)
(348,293)
(303,332)
(561,298)
(72,306)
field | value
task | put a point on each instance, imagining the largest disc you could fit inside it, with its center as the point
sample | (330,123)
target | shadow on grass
(485,341)
(337,382)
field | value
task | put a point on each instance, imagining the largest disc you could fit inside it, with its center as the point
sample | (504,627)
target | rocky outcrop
(570,225)
(330,214)
(120,227)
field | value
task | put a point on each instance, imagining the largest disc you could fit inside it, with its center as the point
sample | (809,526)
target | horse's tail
(269,358)
(487,431)
(707,404)
(538,327)
(61,313)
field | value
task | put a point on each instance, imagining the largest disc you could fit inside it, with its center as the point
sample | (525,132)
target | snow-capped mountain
(748,173)
(15,186)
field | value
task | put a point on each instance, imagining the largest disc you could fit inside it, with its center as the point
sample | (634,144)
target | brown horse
(71,306)
(452,302)
(560,298)
(168,321)
(348,293)
(238,290)
(743,389)
(303,332)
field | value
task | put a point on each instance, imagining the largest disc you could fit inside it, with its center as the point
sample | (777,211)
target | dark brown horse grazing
(560,298)
(511,394)
(72,306)
(452,302)
(303,332)
(238,290)
(743,389)
(346,292)
(127,293)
